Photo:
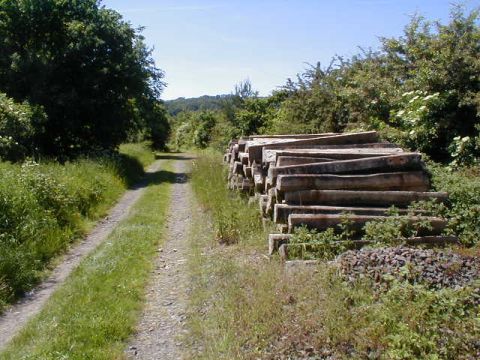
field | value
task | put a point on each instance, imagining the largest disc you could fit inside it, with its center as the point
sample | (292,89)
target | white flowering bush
(465,150)
(417,117)
(17,128)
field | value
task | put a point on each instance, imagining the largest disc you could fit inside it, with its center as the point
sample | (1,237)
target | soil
(162,324)
(17,316)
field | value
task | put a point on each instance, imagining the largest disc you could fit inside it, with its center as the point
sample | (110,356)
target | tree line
(74,78)
(421,90)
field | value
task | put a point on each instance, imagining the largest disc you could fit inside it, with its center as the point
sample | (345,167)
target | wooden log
(325,221)
(291,136)
(281,244)
(388,163)
(258,178)
(255,151)
(238,168)
(404,181)
(246,186)
(241,144)
(243,156)
(262,202)
(298,160)
(358,198)
(235,152)
(375,145)
(282,211)
(247,170)
(276,240)
(271,155)
(271,200)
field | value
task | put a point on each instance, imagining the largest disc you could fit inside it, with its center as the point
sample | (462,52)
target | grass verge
(244,306)
(95,311)
(46,206)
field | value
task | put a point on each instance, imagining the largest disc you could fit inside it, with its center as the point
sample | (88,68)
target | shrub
(17,128)
(463,187)
(46,206)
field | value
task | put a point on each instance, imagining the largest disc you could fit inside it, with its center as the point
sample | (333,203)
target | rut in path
(17,316)
(162,321)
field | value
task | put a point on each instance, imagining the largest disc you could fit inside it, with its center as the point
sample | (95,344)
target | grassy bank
(92,315)
(244,306)
(46,206)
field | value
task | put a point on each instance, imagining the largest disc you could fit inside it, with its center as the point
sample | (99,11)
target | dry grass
(245,306)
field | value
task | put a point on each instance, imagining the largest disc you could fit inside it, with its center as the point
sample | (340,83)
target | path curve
(17,316)
(158,333)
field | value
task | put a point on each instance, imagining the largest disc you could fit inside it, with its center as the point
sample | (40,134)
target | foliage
(404,322)
(193,129)
(233,221)
(46,206)
(463,210)
(17,128)
(89,70)
(95,311)
(420,90)
(325,245)
(202,103)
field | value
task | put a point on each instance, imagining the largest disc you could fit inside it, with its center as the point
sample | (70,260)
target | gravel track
(158,333)
(17,316)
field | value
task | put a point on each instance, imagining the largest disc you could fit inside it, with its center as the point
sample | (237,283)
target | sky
(206,47)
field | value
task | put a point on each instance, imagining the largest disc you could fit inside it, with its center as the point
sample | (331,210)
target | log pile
(314,179)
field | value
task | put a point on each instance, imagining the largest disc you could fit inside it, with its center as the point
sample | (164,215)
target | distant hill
(205,102)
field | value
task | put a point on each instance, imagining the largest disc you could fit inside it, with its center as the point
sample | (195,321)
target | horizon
(206,47)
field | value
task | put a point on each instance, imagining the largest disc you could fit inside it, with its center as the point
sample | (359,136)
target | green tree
(88,68)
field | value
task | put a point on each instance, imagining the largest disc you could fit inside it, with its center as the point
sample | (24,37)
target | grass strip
(95,311)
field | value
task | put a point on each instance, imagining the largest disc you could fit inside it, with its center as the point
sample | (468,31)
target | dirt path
(162,321)
(17,316)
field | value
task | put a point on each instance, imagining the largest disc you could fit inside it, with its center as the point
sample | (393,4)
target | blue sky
(206,47)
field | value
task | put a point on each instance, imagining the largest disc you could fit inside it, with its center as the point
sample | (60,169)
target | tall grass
(244,306)
(234,221)
(94,312)
(44,207)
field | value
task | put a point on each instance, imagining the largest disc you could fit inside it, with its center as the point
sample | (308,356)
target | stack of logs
(314,179)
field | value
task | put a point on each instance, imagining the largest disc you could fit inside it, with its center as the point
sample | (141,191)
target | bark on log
(292,136)
(255,151)
(282,211)
(262,202)
(243,156)
(366,198)
(271,155)
(411,181)
(271,200)
(298,160)
(258,178)
(389,163)
(247,170)
(276,240)
(324,221)
(238,168)
(282,245)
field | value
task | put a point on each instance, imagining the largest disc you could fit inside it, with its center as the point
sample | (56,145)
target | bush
(463,187)
(17,128)
(87,67)
(46,206)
